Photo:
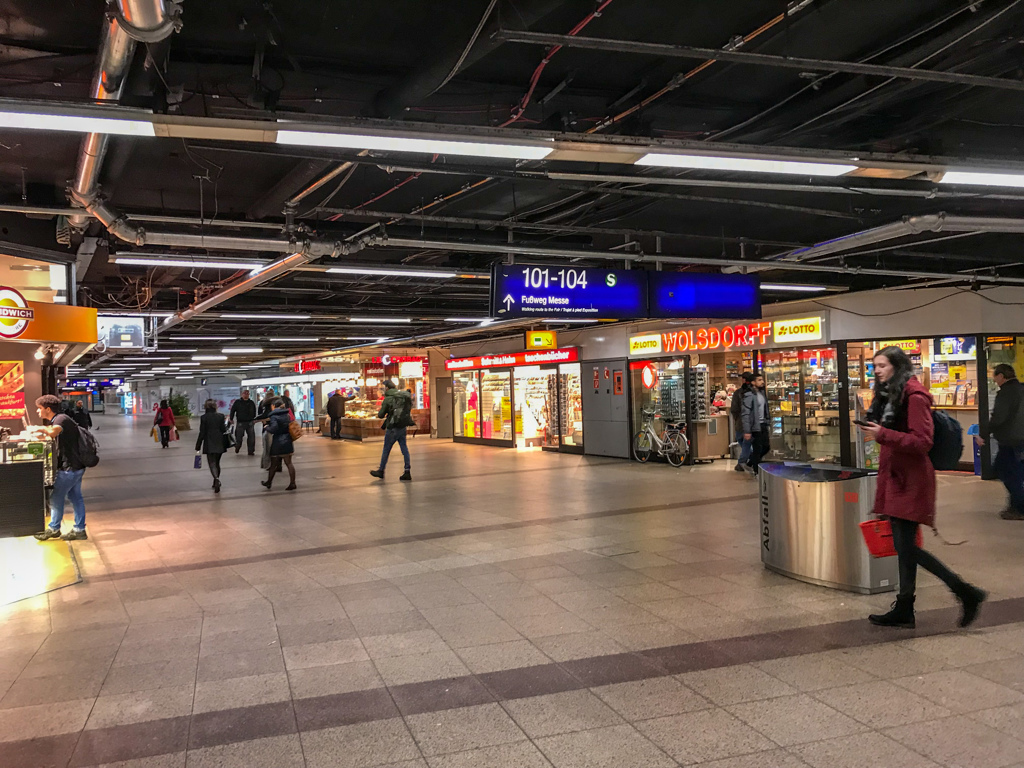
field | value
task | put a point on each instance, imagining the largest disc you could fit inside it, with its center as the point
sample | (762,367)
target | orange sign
(541,340)
(22,320)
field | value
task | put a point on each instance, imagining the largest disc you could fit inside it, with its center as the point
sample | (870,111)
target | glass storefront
(522,406)
(803,398)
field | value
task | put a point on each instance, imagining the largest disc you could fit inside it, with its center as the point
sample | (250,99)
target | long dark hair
(887,407)
(163,403)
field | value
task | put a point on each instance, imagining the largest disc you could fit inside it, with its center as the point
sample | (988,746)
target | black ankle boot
(901,615)
(971,599)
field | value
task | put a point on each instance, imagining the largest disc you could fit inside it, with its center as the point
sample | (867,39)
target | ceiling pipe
(127,23)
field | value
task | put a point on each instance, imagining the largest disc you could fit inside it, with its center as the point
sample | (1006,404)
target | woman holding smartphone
(900,421)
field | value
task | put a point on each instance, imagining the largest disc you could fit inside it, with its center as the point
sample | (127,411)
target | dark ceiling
(263,60)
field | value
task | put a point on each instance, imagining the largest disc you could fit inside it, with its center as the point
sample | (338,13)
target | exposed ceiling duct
(127,23)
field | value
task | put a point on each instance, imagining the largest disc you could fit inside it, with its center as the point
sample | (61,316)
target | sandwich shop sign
(759,334)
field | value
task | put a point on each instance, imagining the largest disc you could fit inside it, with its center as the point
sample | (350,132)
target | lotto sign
(15,313)
(805,329)
(760,334)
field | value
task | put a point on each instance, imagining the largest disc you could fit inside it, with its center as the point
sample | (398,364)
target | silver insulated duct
(127,23)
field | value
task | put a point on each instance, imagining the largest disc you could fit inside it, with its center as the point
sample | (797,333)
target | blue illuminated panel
(572,293)
(684,294)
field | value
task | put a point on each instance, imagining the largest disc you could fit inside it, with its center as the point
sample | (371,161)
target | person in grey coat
(212,440)
(756,421)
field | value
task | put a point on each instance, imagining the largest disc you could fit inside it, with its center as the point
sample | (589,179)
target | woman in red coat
(901,423)
(164,420)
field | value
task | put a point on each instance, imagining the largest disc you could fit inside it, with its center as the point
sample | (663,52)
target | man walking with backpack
(70,468)
(736,409)
(1006,425)
(396,410)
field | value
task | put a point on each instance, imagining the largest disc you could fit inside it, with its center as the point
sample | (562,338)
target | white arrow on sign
(509,301)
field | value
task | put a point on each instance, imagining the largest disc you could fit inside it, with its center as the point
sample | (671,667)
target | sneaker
(740,468)
(379,474)
(74,535)
(407,476)
(47,534)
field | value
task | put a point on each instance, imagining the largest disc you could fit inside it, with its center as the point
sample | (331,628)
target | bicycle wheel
(642,446)
(676,449)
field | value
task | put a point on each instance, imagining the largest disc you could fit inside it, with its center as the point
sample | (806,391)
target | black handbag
(229,436)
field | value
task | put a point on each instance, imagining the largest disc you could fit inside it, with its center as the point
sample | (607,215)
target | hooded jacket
(396,410)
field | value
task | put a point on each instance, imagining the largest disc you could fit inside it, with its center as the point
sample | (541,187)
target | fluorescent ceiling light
(983,179)
(360,338)
(572,322)
(379,320)
(403,144)
(242,351)
(178,351)
(203,338)
(753,165)
(793,288)
(209,357)
(166,261)
(236,316)
(465,319)
(32,121)
(182,365)
(184,377)
(442,274)
(311,340)
(147,358)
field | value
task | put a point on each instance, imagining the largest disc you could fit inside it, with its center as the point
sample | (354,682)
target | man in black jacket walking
(243,414)
(1006,425)
(336,410)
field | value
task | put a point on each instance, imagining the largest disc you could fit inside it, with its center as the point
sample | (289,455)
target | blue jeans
(1010,470)
(392,436)
(67,483)
(744,449)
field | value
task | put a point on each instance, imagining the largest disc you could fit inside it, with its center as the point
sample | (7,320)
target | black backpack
(88,448)
(736,407)
(948,442)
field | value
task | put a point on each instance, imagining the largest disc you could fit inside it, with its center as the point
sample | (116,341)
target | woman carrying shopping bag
(212,440)
(900,421)
(165,422)
(282,446)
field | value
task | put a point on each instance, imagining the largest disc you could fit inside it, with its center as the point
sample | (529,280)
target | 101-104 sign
(577,293)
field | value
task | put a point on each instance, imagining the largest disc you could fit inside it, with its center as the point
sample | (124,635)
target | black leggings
(165,436)
(213,462)
(904,539)
(275,467)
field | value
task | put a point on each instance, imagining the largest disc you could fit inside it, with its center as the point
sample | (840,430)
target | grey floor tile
(336,678)
(498,656)
(863,750)
(404,644)
(144,677)
(398,670)
(615,747)
(960,691)
(702,736)
(881,704)
(223,666)
(1008,719)
(274,752)
(241,692)
(458,730)
(522,754)
(776,758)
(561,713)
(815,671)
(961,650)
(324,654)
(143,706)
(172,760)
(360,746)
(960,741)
(735,685)
(795,719)
(43,720)
(647,699)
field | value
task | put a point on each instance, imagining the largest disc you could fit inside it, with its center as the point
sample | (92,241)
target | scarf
(888,401)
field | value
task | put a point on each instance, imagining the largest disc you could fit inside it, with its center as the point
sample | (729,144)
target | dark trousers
(760,444)
(165,436)
(1009,468)
(245,428)
(213,462)
(335,428)
(392,436)
(904,540)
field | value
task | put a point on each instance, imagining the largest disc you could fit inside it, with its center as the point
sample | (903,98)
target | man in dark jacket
(1006,425)
(336,410)
(756,421)
(81,416)
(243,414)
(396,410)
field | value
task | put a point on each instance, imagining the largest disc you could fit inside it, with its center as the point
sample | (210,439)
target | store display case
(803,397)
(26,471)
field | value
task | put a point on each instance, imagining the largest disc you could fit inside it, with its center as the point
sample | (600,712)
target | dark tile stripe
(209,729)
(431,536)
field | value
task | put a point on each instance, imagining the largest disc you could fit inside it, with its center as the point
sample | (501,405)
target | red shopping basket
(878,537)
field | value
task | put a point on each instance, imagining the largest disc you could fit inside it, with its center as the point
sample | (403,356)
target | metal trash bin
(810,526)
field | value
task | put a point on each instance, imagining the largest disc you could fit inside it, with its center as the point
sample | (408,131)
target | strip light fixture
(481,320)
(33,121)
(440,274)
(304,341)
(793,288)
(242,350)
(169,261)
(237,316)
(203,338)
(209,357)
(983,179)
(405,144)
(380,320)
(748,164)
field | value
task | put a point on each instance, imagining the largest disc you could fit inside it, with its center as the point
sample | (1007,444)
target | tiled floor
(504,609)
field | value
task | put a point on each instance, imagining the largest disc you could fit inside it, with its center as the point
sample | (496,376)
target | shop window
(658,386)
(466,408)
(496,405)
(536,407)
(803,397)
(571,404)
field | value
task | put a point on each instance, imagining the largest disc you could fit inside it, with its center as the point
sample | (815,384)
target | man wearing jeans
(67,481)
(396,410)
(243,414)
(1006,425)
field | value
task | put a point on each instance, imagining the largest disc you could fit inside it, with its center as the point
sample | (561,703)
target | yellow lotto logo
(645,345)
(541,340)
(804,329)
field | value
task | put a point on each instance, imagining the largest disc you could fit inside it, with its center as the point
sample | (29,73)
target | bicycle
(672,443)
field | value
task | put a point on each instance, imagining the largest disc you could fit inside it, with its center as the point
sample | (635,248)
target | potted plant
(181,409)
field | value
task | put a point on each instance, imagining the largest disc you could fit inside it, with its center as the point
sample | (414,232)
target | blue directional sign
(691,294)
(571,293)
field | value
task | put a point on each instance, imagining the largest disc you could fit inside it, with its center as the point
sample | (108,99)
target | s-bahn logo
(14,313)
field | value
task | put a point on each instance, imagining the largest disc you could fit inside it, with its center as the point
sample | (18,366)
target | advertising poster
(12,389)
(120,332)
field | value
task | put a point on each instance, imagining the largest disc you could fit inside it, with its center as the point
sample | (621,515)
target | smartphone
(862,423)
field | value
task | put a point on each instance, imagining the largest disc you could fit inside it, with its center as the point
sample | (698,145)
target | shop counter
(353,428)
(26,469)
(713,437)
(810,526)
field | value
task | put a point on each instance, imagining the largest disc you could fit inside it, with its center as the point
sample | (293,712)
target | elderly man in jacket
(336,411)
(396,410)
(1006,425)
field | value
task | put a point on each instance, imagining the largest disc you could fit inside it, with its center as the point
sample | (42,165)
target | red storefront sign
(754,334)
(564,355)
(305,366)
(12,405)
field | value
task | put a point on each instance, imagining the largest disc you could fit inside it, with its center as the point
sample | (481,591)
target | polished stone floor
(504,609)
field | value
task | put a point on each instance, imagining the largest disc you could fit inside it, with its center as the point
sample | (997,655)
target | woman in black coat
(212,441)
(281,445)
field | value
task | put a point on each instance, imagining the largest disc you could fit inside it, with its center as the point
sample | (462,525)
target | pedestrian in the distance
(164,421)
(756,421)
(211,440)
(900,421)
(81,416)
(1006,425)
(736,408)
(281,446)
(243,416)
(396,410)
(336,412)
